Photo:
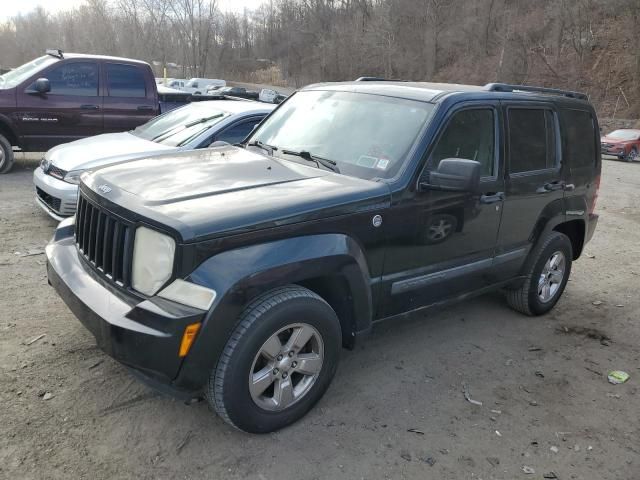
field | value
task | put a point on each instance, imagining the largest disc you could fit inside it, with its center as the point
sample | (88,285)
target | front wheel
(632,156)
(547,271)
(278,362)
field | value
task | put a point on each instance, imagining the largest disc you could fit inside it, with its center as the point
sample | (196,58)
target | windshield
(367,136)
(177,126)
(20,74)
(624,134)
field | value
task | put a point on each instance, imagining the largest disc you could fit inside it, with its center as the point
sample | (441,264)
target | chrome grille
(104,240)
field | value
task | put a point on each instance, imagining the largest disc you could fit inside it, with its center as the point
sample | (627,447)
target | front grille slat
(99,239)
(86,223)
(128,240)
(106,245)
(105,241)
(116,254)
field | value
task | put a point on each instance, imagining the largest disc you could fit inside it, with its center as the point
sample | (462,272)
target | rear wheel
(6,155)
(547,271)
(278,362)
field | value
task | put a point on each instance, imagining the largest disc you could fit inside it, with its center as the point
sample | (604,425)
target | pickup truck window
(182,123)
(125,81)
(22,73)
(76,78)
(368,136)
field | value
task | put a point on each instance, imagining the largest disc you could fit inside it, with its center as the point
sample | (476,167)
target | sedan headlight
(153,255)
(73,177)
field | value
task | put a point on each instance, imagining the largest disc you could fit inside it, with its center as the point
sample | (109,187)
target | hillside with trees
(587,45)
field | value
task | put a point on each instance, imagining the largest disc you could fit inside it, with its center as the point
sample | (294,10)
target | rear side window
(78,79)
(238,132)
(532,139)
(579,130)
(125,81)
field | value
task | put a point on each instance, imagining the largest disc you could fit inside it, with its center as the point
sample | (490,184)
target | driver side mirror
(41,86)
(454,175)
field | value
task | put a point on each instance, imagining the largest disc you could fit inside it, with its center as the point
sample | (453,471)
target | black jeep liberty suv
(239,272)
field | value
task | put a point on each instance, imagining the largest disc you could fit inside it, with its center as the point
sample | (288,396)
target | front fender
(239,275)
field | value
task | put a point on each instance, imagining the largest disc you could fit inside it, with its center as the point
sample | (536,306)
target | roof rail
(55,52)
(374,79)
(505,87)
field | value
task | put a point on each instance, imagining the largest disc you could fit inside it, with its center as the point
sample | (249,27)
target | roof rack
(55,52)
(505,87)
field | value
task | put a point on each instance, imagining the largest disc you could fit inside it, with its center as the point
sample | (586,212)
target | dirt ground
(69,411)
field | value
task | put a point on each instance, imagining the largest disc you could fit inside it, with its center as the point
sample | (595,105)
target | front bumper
(143,334)
(56,197)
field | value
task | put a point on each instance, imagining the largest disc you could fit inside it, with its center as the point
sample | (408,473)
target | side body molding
(241,274)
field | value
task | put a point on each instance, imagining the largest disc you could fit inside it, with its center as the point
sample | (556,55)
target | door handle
(145,108)
(489,198)
(569,187)
(551,187)
(89,107)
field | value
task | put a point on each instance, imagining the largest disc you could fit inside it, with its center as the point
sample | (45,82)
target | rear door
(535,180)
(71,110)
(129,96)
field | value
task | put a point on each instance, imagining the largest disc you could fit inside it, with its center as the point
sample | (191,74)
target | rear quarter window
(578,127)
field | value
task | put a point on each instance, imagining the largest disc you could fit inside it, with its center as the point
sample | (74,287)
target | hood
(100,150)
(208,193)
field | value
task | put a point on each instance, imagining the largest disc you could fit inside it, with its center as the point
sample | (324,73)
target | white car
(198,86)
(177,83)
(196,125)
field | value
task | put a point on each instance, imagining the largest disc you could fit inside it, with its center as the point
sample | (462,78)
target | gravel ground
(396,408)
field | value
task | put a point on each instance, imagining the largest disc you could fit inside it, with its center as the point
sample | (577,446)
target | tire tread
(252,312)
(518,299)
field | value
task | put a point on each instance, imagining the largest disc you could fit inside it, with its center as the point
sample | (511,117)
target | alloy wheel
(551,277)
(286,367)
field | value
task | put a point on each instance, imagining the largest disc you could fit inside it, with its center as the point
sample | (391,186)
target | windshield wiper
(180,128)
(308,156)
(266,147)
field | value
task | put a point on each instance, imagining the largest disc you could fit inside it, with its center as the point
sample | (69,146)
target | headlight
(153,254)
(73,177)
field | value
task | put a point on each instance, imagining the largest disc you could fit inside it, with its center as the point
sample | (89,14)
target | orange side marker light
(187,338)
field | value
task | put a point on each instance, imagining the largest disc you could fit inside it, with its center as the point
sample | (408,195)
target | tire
(633,155)
(229,390)
(6,155)
(527,298)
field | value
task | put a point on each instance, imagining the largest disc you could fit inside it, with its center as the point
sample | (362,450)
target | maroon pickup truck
(60,97)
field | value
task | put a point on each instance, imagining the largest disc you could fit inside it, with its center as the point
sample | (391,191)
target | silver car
(196,125)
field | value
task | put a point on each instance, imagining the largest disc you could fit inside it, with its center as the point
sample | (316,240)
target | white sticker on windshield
(383,163)
(367,161)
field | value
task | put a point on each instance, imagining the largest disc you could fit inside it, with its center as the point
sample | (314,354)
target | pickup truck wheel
(278,362)
(547,271)
(6,155)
